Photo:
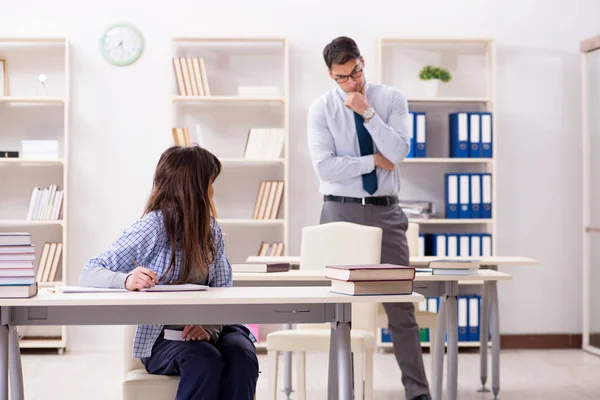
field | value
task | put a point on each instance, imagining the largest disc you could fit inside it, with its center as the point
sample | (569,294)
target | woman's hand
(195,332)
(141,278)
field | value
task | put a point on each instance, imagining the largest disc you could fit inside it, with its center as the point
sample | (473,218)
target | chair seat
(139,384)
(316,340)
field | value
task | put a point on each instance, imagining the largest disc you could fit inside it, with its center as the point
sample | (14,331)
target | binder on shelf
(475,245)
(486,135)
(486,245)
(475,195)
(420,135)
(421,244)
(451,196)
(464,246)
(436,244)
(474,304)
(411,134)
(463,315)
(459,135)
(486,195)
(451,245)
(464,198)
(474,135)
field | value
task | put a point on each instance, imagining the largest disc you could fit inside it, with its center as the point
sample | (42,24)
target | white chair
(340,243)
(138,384)
(425,319)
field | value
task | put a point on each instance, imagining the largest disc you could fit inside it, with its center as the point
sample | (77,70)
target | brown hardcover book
(370,272)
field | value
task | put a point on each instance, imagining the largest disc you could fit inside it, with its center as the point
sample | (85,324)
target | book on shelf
(270,249)
(45,203)
(264,143)
(190,75)
(261,267)
(371,279)
(16,266)
(49,261)
(268,200)
(40,149)
(183,137)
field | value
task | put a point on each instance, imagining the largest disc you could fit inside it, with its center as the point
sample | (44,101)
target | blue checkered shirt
(146,241)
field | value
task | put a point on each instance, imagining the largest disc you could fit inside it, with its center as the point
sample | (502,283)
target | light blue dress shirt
(333,142)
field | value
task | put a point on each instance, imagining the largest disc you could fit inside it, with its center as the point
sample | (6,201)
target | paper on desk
(85,289)
(186,287)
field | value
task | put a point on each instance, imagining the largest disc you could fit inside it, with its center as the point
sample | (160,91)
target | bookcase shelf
(31,112)
(231,96)
(32,161)
(229,99)
(471,63)
(447,160)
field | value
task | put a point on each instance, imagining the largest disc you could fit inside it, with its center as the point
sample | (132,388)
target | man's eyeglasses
(344,78)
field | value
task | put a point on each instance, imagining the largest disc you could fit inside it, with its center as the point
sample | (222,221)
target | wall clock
(121,44)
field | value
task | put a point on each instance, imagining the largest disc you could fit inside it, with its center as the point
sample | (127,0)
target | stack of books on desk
(17,254)
(454,267)
(372,279)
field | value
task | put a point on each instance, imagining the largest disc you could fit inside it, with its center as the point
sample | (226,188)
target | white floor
(541,374)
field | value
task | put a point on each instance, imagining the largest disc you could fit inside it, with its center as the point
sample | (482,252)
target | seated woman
(178,241)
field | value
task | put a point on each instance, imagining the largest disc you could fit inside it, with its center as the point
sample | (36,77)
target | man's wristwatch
(368,114)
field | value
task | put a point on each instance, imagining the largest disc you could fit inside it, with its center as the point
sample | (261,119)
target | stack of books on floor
(372,279)
(17,256)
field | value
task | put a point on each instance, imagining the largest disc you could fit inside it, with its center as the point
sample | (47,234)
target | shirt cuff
(214,330)
(367,164)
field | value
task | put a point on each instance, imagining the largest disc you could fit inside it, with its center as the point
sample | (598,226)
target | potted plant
(432,77)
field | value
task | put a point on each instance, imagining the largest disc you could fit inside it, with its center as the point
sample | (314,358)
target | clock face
(122,45)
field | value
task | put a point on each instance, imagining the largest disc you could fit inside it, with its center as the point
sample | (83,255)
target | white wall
(121,119)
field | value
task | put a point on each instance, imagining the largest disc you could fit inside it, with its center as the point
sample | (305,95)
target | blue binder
(463,318)
(464,196)
(474,317)
(475,195)
(459,134)
(420,135)
(474,135)
(411,134)
(486,195)
(487,139)
(451,196)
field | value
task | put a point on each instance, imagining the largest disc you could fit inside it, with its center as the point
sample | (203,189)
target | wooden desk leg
(484,313)
(4,350)
(344,355)
(438,355)
(15,368)
(452,328)
(495,328)
(332,381)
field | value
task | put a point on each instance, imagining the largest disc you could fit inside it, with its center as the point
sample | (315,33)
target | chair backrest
(129,362)
(343,243)
(412,236)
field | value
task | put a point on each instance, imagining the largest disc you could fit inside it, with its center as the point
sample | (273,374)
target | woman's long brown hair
(181,191)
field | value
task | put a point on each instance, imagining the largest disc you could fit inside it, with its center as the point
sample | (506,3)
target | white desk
(444,286)
(215,306)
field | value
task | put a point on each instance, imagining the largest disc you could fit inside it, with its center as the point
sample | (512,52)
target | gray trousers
(401,316)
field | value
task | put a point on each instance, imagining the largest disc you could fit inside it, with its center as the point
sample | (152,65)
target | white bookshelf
(28,113)
(472,88)
(220,122)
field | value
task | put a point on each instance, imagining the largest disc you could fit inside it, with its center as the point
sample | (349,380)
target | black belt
(377,201)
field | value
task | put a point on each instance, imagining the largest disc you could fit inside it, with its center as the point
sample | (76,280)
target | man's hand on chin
(357,102)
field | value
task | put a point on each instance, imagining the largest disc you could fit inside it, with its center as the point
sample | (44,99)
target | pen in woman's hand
(141,278)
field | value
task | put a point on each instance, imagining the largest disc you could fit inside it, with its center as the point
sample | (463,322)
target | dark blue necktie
(365,142)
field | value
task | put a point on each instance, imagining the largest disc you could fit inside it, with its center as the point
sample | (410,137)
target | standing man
(357,134)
